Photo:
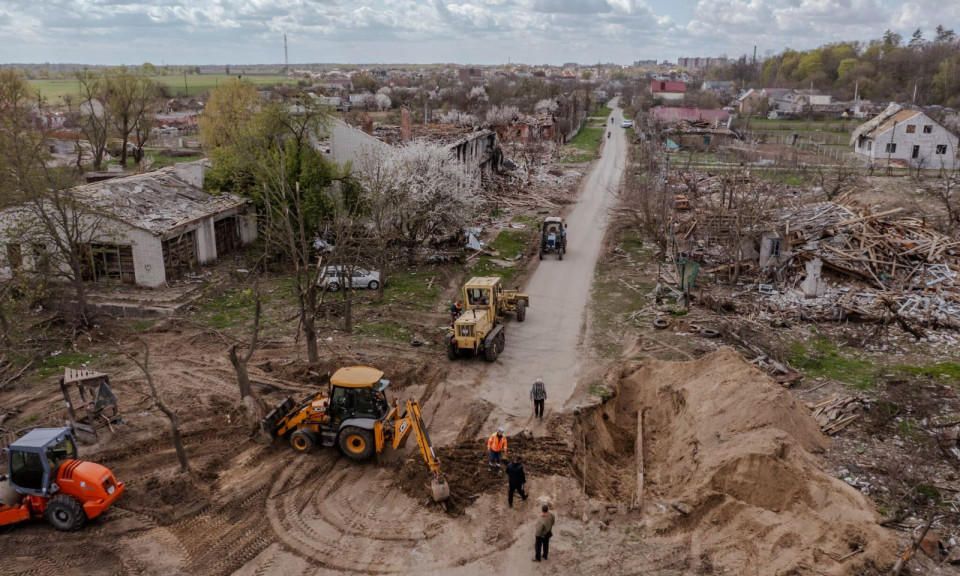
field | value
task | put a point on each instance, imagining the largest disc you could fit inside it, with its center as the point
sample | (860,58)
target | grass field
(196,84)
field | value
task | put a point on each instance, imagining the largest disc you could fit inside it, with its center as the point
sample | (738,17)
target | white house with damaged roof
(905,137)
(152,228)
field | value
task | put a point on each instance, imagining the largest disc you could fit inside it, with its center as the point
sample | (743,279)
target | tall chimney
(405,127)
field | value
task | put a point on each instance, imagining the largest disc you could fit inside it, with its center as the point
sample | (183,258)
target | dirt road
(548,344)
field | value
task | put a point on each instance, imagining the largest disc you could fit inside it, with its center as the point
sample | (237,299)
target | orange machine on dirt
(46,479)
(355,415)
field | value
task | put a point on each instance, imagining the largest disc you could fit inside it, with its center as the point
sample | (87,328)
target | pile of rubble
(891,268)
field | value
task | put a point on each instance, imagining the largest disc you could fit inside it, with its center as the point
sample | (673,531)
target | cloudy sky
(427,31)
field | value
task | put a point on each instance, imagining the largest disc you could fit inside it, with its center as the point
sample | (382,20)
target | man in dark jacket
(518,479)
(544,531)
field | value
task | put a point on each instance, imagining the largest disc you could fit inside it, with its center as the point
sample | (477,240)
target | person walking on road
(497,446)
(518,480)
(543,534)
(538,393)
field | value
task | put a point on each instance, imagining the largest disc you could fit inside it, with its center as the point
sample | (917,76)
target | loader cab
(483,293)
(35,459)
(358,392)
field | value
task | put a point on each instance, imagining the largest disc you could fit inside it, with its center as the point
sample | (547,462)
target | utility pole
(286,58)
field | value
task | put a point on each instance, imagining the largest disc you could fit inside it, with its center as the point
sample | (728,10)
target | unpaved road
(548,344)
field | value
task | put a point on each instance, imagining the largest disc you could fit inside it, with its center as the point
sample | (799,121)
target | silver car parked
(335,277)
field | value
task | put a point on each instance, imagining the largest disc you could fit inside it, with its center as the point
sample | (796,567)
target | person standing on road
(456,310)
(538,394)
(497,446)
(517,480)
(543,534)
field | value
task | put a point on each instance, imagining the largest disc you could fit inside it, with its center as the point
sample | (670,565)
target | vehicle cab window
(26,470)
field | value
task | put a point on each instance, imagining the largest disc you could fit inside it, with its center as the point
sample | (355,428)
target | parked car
(626,123)
(333,278)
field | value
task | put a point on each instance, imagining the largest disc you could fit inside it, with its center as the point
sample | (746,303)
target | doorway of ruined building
(180,254)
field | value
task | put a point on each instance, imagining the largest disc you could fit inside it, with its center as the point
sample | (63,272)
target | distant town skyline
(482,32)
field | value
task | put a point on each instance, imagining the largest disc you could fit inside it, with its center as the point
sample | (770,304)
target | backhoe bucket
(439,489)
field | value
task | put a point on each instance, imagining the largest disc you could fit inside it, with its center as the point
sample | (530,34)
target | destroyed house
(907,138)
(527,128)
(148,229)
(478,150)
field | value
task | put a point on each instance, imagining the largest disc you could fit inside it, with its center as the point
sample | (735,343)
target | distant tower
(286,57)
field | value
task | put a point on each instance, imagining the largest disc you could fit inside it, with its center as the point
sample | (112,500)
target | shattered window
(941,148)
(891,148)
(928,129)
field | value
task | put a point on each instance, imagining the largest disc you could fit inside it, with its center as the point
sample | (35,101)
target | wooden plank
(638,451)
(869,217)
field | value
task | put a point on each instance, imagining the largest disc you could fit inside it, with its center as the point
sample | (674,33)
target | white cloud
(220,31)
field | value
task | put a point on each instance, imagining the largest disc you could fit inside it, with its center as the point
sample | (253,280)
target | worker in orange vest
(497,446)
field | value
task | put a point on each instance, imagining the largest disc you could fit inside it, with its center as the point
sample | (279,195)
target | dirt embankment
(727,468)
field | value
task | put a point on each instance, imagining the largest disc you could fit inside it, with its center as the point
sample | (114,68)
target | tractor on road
(479,330)
(46,479)
(553,237)
(354,415)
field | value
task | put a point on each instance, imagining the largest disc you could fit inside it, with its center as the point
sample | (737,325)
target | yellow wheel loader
(355,416)
(479,329)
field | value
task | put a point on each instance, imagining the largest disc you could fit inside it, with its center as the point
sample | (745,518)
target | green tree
(228,113)
(810,64)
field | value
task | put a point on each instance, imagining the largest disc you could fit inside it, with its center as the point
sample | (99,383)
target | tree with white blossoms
(458,118)
(502,115)
(414,192)
(545,106)
(383,101)
(478,94)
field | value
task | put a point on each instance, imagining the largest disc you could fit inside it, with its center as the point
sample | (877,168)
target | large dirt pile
(728,469)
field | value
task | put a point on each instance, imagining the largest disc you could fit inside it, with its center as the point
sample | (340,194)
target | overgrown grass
(228,309)
(820,358)
(52,365)
(413,288)
(508,243)
(385,329)
(612,300)
(602,112)
(945,370)
(587,141)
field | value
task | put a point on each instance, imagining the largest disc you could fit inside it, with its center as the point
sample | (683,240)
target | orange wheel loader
(45,479)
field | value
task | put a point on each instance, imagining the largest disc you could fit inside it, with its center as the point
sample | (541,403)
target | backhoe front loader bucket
(270,422)
(439,489)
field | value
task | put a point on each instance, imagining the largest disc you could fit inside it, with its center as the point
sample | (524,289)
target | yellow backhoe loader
(354,415)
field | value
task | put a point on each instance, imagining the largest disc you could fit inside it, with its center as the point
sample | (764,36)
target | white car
(626,123)
(333,278)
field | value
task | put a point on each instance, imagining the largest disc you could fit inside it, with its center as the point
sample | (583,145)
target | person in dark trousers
(497,446)
(544,532)
(538,393)
(517,480)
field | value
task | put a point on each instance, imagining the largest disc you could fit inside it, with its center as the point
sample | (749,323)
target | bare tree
(171,414)
(130,98)
(836,181)
(642,204)
(240,363)
(739,215)
(92,115)
(45,210)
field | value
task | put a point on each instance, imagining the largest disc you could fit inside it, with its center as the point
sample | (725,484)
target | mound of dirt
(727,467)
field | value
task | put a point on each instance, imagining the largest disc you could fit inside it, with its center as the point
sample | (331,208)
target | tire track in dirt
(355,510)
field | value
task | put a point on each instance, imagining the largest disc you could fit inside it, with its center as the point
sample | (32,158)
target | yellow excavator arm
(403,424)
